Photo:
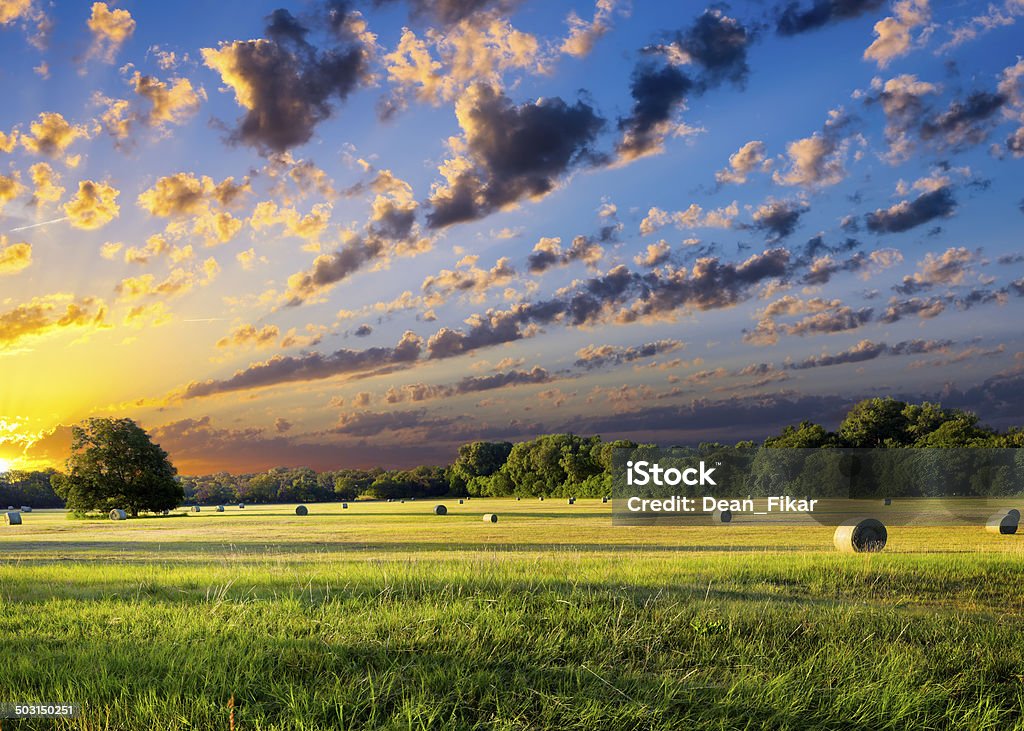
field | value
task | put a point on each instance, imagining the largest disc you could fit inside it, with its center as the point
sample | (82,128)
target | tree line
(113,459)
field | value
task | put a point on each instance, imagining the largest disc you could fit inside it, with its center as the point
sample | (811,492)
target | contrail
(37,225)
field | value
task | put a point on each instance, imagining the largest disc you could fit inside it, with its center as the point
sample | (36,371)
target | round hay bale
(572,501)
(220,508)
(344,506)
(721,516)
(860,535)
(302,510)
(241,506)
(196,509)
(604,499)
(10,507)
(1011,511)
(166,512)
(460,502)
(118,515)
(1003,524)
(491,518)
(887,501)
(518,499)
(440,510)
(12,517)
(541,498)
(26,509)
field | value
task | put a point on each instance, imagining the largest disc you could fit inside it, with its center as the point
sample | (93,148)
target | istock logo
(645,473)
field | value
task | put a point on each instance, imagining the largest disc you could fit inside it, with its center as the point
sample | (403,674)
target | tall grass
(397,619)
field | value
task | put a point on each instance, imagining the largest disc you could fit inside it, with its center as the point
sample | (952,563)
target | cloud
(10,188)
(286,85)
(93,206)
(582,34)
(779,218)
(748,159)
(948,268)
(655,254)
(908,214)
(599,356)
(866,350)
(110,30)
(46,183)
(179,281)
(162,104)
(693,217)
(250,335)
(451,12)
(815,161)
(49,314)
(329,269)
(310,367)
(196,205)
(892,34)
(794,19)
(467,278)
(718,45)
(26,13)
(964,123)
(511,152)
(14,257)
(476,50)
(902,98)
(658,93)
(548,253)
(51,135)
(993,17)
(925,309)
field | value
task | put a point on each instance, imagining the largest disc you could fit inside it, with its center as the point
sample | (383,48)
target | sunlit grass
(386,616)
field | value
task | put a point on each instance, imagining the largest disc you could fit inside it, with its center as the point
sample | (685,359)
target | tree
(114,464)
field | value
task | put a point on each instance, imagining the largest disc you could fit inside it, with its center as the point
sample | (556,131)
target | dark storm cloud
(966,122)
(311,367)
(908,214)
(599,356)
(866,350)
(779,218)
(718,44)
(289,85)
(795,18)
(657,94)
(622,296)
(328,269)
(517,151)
(451,12)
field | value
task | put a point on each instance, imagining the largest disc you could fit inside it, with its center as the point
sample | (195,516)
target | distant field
(386,616)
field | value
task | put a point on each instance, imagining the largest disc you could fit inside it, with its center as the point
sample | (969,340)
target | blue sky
(363,233)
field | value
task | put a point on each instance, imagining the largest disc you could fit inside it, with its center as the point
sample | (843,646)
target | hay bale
(460,502)
(166,512)
(117,514)
(1011,511)
(860,535)
(12,517)
(1003,523)
(220,508)
(542,498)
(888,501)
(721,516)
(344,506)
(302,510)
(604,499)
(26,509)
(491,518)
(440,510)
(518,499)
(241,506)
(10,507)
(196,509)
(572,501)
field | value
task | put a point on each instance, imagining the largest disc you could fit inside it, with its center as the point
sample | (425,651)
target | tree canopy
(114,464)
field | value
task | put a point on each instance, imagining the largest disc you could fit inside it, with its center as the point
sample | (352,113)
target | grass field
(386,616)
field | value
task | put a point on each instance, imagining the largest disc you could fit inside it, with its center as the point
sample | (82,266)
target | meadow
(385,616)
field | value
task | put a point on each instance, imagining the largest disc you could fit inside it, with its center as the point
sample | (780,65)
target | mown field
(385,616)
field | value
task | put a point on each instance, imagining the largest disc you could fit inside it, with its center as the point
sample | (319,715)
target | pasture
(386,616)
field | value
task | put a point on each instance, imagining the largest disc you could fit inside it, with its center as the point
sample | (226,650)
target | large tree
(114,464)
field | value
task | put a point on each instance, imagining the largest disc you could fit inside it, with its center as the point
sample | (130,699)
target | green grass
(386,616)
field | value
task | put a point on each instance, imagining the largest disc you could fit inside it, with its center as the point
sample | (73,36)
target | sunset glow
(373,234)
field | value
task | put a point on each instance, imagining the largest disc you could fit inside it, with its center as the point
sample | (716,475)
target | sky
(361,233)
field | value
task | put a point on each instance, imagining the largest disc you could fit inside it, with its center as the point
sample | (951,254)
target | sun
(5,465)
